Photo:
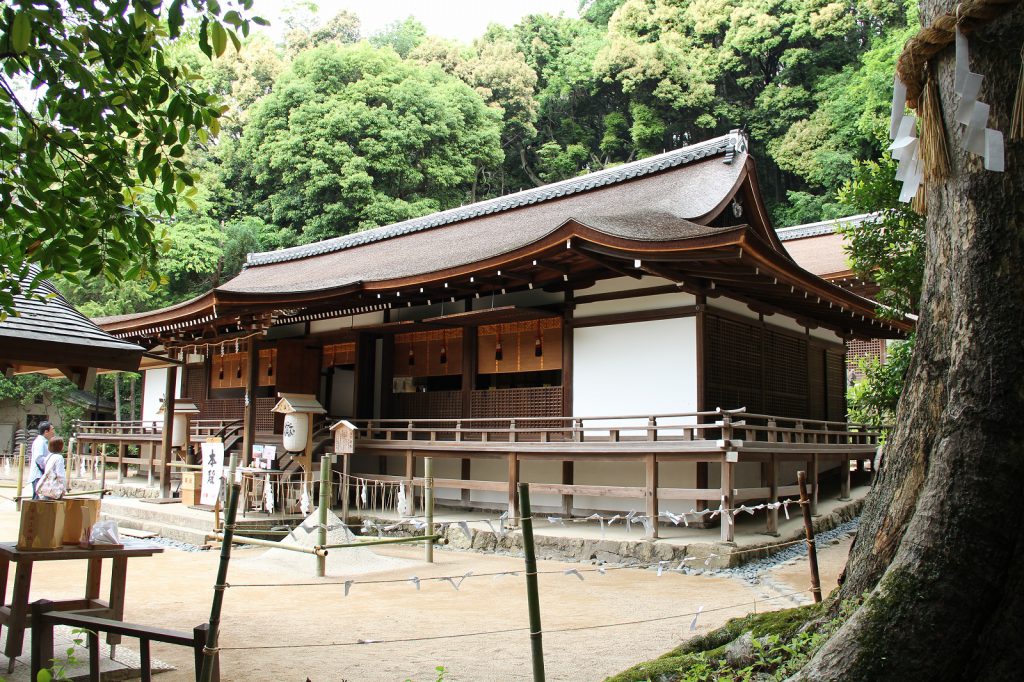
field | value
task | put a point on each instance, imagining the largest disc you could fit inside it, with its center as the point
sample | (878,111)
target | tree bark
(940,549)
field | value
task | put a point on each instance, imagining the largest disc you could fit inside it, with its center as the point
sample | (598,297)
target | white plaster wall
(785,322)
(362,320)
(633,305)
(622,284)
(153,393)
(732,306)
(826,335)
(638,368)
(521,298)
(401,312)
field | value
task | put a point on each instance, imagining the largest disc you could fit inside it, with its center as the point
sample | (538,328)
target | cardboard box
(42,525)
(78,515)
(191,487)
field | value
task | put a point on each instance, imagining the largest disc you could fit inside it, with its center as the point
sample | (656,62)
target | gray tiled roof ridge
(821,227)
(726,145)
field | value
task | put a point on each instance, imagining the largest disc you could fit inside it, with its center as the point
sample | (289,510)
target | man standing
(40,449)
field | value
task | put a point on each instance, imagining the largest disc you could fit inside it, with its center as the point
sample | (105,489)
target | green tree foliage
(401,36)
(93,128)
(889,248)
(873,399)
(353,137)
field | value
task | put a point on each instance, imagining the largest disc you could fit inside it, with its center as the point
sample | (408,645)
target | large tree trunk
(940,550)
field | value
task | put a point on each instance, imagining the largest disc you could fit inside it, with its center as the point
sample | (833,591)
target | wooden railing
(44,619)
(199,429)
(744,429)
(722,438)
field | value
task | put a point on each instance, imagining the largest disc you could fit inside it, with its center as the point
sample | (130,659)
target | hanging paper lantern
(444,351)
(538,344)
(412,357)
(498,354)
(296,429)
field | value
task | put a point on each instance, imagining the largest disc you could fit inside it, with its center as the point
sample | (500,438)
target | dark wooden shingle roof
(50,332)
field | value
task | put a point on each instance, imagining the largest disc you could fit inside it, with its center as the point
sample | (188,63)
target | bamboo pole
(21,472)
(428,506)
(380,541)
(532,594)
(210,650)
(812,553)
(243,540)
(325,501)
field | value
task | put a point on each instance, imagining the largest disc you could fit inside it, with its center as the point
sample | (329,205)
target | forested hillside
(331,131)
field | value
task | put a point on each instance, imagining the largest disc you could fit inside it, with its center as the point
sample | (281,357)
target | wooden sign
(344,438)
(213,472)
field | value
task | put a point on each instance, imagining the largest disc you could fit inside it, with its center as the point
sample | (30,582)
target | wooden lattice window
(733,364)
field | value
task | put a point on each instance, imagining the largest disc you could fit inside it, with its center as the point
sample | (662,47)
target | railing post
(651,493)
(652,431)
(458,431)
(199,635)
(772,520)
(428,507)
(42,637)
(578,430)
(728,482)
(512,431)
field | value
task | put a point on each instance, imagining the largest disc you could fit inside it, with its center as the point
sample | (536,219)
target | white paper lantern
(296,427)
(179,430)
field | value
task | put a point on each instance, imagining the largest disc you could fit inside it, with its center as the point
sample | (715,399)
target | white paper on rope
(573,571)
(693,623)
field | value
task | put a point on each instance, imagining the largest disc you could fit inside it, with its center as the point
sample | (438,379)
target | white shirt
(40,448)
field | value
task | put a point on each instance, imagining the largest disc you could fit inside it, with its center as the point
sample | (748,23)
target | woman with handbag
(53,483)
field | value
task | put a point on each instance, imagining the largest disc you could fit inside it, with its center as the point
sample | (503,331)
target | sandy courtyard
(318,629)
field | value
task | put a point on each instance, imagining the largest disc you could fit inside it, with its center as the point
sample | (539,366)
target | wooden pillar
(249,414)
(513,488)
(121,466)
(410,474)
(567,479)
(466,475)
(469,367)
(844,487)
(567,353)
(728,501)
(814,481)
(165,434)
(700,320)
(772,521)
(651,493)
(772,517)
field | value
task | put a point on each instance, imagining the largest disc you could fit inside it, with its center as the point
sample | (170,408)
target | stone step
(192,536)
(167,514)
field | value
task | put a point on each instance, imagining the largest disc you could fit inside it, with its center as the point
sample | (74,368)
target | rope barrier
(595,569)
(599,626)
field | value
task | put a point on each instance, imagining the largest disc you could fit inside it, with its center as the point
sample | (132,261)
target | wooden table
(15,614)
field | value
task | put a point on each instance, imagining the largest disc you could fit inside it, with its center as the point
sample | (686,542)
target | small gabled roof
(305,403)
(48,332)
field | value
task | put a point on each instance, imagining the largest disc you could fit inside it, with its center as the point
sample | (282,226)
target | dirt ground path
(174,589)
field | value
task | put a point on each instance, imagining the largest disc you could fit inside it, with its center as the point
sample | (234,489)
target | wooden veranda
(723,437)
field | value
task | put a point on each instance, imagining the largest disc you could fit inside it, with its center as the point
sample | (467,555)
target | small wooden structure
(302,407)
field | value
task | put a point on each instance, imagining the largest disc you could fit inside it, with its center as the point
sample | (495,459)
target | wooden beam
(165,437)
(567,478)
(249,409)
(513,488)
(728,530)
